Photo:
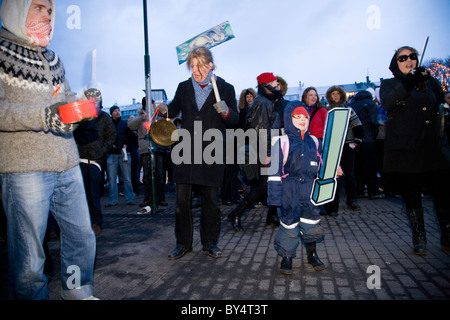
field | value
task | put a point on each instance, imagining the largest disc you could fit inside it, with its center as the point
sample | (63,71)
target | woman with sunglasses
(413,149)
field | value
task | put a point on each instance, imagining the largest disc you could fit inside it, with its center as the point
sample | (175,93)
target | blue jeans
(113,162)
(28,198)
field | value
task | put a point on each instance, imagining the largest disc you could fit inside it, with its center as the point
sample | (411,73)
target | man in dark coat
(120,156)
(201,112)
(414,145)
(94,138)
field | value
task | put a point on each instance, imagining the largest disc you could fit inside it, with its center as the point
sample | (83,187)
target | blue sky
(319,43)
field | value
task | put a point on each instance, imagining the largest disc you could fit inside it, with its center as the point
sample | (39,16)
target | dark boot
(272,215)
(313,259)
(286,266)
(443,216)
(235,215)
(419,237)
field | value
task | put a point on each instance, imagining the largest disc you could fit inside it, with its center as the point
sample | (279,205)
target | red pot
(77,111)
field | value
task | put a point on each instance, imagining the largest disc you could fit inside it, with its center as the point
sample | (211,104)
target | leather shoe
(354,206)
(108,205)
(212,251)
(145,203)
(162,203)
(178,253)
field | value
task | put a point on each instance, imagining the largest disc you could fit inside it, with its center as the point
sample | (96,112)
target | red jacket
(317,124)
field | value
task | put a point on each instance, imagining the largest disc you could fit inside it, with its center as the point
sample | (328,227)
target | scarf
(39,33)
(202,90)
(311,108)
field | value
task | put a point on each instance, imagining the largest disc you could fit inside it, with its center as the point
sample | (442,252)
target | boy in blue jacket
(290,188)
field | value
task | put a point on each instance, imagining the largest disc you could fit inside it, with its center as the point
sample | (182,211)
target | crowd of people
(397,142)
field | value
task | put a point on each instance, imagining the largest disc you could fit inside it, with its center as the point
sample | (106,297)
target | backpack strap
(317,149)
(285,149)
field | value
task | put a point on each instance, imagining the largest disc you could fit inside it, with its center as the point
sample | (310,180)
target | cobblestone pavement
(132,259)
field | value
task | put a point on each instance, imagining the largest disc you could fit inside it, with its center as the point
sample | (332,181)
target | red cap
(267,77)
(301,110)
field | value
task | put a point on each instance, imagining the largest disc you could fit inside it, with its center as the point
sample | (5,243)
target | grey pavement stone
(132,259)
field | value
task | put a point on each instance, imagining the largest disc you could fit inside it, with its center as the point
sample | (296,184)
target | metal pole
(423,51)
(148,90)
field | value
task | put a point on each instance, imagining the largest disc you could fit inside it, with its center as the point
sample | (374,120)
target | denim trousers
(113,163)
(28,199)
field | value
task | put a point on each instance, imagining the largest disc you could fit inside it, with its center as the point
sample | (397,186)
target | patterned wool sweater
(31,79)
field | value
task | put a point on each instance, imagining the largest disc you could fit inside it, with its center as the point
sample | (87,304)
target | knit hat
(94,93)
(266,77)
(111,110)
(301,110)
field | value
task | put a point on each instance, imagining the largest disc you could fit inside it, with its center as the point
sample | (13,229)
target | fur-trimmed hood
(342,93)
(14,14)
(242,100)
(283,85)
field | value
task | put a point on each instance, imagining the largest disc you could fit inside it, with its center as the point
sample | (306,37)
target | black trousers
(209,220)
(411,185)
(348,181)
(366,168)
(92,176)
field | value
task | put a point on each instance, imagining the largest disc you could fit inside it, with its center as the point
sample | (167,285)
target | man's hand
(163,108)
(221,108)
(53,120)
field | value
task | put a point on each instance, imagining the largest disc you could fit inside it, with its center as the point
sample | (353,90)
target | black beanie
(111,110)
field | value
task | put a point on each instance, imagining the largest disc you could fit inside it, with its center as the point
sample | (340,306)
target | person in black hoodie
(365,155)
(94,138)
(261,117)
(413,154)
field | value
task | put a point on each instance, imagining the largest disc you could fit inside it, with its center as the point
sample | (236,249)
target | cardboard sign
(208,39)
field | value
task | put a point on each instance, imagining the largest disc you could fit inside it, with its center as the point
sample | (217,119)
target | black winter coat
(411,144)
(124,136)
(262,115)
(367,111)
(95,137)
(189,172)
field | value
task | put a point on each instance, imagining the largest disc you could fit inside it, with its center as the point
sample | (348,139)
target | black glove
(53,120)
(416,78)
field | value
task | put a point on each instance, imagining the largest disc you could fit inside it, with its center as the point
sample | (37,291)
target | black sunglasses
(405,57)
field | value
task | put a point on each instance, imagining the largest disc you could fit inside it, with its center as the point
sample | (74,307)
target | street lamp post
(148,90)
